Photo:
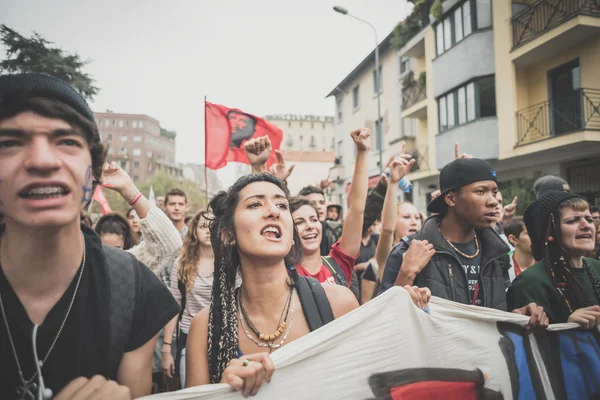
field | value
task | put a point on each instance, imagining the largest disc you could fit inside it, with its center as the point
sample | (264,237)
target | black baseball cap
(457,174)
(549,182)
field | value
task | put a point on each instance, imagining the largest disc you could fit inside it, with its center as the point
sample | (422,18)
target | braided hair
(222,320)
(559,263)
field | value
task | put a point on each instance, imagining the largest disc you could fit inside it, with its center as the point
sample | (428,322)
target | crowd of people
(157,300)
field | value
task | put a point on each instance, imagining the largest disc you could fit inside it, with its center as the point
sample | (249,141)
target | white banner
(390,348)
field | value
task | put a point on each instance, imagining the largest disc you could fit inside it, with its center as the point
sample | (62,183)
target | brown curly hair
(190,253)
(11,106)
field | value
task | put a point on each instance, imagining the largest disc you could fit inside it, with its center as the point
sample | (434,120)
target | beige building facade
(138,144)
(308,142)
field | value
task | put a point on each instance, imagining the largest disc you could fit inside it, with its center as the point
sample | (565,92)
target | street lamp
(379,123)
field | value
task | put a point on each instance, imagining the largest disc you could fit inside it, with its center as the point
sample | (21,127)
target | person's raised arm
(258,151)
(352,231)
(115,178)
(399,168)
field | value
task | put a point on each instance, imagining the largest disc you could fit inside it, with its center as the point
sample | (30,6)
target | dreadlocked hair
(190,254)
(222,320)
(559,264)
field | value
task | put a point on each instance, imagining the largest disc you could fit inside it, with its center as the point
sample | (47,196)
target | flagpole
(205,153)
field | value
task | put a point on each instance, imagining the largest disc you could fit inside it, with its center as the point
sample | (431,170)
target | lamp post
(379,123)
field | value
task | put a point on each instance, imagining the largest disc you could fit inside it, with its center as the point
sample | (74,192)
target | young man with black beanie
(93,311)
(457,253)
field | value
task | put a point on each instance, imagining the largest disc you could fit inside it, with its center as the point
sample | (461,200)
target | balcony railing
(544,15)
(580,111)
(421,160)
(413,94)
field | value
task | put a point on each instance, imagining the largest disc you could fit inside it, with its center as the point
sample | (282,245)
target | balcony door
(565,98)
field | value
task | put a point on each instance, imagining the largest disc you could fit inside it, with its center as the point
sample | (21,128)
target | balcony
(548,27)
(578,112)
(414,92)
(421,157)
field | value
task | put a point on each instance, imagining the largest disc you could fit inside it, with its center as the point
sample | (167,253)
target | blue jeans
(182,368)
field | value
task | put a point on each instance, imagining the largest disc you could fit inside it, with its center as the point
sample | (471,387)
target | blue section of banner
(526,390)
(580,361)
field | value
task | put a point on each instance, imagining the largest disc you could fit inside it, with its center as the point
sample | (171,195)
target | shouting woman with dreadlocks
(252,232)
(562,281)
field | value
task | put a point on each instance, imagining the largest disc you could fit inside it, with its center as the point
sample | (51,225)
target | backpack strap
(335,269)
(315,303)
(124,279)
(180,345)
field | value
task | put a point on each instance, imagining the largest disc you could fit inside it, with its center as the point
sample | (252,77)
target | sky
(161,58)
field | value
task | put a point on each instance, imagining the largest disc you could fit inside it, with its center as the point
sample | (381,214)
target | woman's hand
(248,372)
(167,364)
(588,317)
(419,296)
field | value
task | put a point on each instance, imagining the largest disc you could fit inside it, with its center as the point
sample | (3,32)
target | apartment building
(515,83)
(308,142)
(138,144)
(356,107)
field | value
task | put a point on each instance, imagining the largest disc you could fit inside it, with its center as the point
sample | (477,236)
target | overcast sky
(161,58)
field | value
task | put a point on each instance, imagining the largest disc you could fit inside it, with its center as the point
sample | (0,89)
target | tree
(521,187)
(36,54)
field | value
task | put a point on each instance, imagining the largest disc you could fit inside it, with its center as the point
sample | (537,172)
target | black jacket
(444,275)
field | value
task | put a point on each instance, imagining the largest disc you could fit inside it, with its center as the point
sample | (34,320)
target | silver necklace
(269,345)
(28,387)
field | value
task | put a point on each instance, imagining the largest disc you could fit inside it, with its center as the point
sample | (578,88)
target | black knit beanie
(42,85)
(536,218)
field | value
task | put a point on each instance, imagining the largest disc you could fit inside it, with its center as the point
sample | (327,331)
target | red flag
(101,199)
(226,131)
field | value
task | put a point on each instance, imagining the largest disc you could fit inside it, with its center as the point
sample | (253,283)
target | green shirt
(535,285)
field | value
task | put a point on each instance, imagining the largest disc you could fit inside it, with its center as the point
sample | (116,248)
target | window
(355,103)
(462,106)
(124,165)
(137,138)
(404,65)
(409,127)
(458,25)
(483,10)
(290,141)
(141,124)
(470,101)
(123,150)
(289,124)
(487,97)
(137,152)
(467,20)
(136,164)
(134,124)
(114,123)
(450,104)
(475,100)
(149,154)
(378,133)
(110,152)
(109,136)
(123,138)
(439,34)
(121,123)
(377,82)
(339,108)
(443,118)
(447,33)
(313,142)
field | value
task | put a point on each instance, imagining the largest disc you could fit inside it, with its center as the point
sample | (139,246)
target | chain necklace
(271,346)
(460,252)
(282,319)
(25,391)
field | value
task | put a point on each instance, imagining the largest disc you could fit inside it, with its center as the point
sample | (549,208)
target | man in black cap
(457,254)
(97,308)
(549,182)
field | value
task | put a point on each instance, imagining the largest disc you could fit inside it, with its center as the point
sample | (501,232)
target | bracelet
(167,343)
(135,199)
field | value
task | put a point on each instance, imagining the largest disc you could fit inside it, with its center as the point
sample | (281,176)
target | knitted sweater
(161,240)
